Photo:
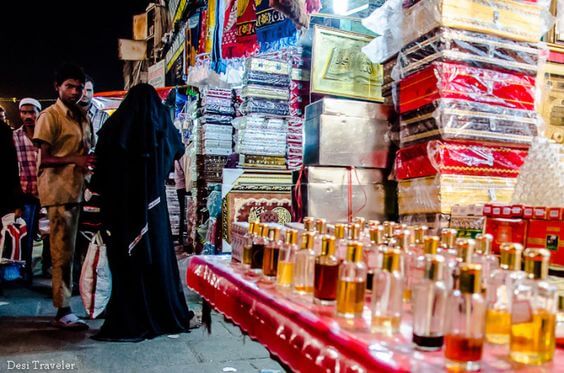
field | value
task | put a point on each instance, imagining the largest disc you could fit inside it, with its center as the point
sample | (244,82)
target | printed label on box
(552,241)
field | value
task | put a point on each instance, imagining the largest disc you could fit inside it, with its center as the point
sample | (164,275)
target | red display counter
(309,338)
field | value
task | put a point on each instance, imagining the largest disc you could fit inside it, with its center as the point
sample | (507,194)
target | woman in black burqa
(135,152)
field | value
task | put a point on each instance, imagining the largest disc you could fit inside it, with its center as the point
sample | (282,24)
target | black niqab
(135,152)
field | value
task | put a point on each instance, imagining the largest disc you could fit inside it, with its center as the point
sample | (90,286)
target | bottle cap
(264,230)
(377,234)
(291,236)
(354,231)
(251,227)
(391,260)
(404,238)
(434,267)
(274,233)
(309,224)
(536,263)
(420,233)
(431,244)
(328,245)
(308,240)
(321,226)
(470,278)
(354,251)
(484,244)
(510,256)
(465,249)
(373,223)
(360,221)
(389,229)
(340,231)
(448,238)
(258,229)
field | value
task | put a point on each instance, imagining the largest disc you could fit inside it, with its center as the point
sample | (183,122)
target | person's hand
(18,213)
(85,162)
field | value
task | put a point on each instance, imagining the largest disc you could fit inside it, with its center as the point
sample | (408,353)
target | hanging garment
(274,29)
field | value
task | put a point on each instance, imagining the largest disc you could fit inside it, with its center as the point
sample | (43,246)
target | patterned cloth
(27,161)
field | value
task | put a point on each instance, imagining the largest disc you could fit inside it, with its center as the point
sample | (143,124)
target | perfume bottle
(287,259)
(448,240)
(419,234)
(483,255)
(257,249)
(408,262)
(430,247)
(320,229)
(464,248)
(533,312)
(305,263)
(387,292)
(499,293)
(351,285)
(389,228)
(248,244)
(354,232)
(326,273)
(465,316)
(341,240)
(271,254)
(429,306)
(373,255)
(309,224)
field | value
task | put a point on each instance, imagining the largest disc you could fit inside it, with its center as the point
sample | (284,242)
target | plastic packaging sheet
(437,194)
(261,106)
(267,92)
(309,338)
(478,50)
(516,20)
(435,222)
(427,159)
(264,78)
(457,81)
(468,120)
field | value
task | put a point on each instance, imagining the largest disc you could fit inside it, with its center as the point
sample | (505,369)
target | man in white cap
(27,164)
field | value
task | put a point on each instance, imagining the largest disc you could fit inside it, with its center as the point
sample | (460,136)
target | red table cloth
(309,338)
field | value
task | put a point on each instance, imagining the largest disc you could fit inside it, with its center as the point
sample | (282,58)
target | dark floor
(26,336)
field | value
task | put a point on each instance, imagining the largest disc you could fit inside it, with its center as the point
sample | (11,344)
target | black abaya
(136,149)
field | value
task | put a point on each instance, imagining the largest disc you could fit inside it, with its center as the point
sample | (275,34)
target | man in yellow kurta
(63,134)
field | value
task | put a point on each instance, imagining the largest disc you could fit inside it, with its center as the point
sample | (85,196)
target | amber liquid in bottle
(525,345)
(498,326)
(257,255)
(350,298)
(270,261)
(285,274)
(460,348)
(247,255)
(326,278)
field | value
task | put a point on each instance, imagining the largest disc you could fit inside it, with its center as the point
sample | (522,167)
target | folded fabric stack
(258,135)
(214,126)
(295,140)
(465,73)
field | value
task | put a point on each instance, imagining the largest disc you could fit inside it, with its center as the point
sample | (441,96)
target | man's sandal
(70,322)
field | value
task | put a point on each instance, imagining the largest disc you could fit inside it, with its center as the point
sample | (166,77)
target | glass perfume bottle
(408,262)
(257,249)
(499,293)
(309,224)
(354,232)
(271,254)
(287,259)
(464,248)
(320,229)
(372,254)
(351,286)
(387,292)
(429,305)
(465,316)
(420,233)
(483,255)
(305,263)
(448,240)
(247,245)
(533,312)
(341,240)
(326,273)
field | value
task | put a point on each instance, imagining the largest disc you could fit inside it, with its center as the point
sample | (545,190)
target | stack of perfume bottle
(456,293)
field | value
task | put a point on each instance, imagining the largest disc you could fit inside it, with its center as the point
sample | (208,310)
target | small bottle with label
(305,264)
(387,292)
(533,312)
(257,250)
(326,273)
(287,259)
(499,292)
(341,240)
(271,254)
(483,255)
(429,305)
(247,245)
(465,316)
(351,286)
